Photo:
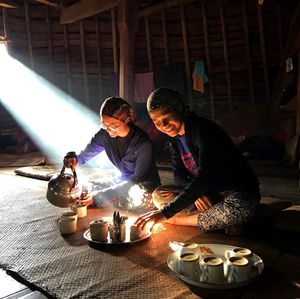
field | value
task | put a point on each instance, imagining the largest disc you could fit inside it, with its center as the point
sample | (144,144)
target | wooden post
(226,58)
(68,69)
(4,15)
(49,38)
(148,37)
(114,40)
(28,31)
(248,52)
(83,63)
(263,50)
(165,35)
(209,68)
(127,23)
(97,29)
(186,57)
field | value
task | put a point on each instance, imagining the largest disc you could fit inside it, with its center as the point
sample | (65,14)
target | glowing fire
(136,195)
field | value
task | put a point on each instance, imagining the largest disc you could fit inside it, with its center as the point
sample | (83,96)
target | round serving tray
(218,250)
(87,236)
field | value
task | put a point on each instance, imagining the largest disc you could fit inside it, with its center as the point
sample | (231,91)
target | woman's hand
(152,217)
(203,203)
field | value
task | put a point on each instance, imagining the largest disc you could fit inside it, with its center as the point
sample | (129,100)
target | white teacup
(189,248)
(241,252)
(80,210)
(188,265)
(99,230)
(70,214)
(67,225)
(212,269)
(237,269)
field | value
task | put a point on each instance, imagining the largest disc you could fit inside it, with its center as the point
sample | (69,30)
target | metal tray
(87,236)
(218,250)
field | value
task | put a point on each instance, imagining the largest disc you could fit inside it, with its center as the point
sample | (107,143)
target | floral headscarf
(119,109)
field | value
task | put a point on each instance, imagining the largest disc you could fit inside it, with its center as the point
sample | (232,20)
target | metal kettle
(63,190)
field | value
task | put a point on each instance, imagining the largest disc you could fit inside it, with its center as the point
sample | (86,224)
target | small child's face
(167,121)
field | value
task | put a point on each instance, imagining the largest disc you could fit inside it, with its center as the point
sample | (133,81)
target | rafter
(84,9)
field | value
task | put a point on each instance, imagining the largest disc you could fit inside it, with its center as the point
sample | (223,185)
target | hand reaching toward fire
(151,217)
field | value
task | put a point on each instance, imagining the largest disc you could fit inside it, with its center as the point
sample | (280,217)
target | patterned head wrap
(167,98)
(119,109)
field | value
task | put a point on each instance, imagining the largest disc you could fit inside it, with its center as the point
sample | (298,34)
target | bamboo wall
(241,43)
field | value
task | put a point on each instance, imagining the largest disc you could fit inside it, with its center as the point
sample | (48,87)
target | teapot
(63,189)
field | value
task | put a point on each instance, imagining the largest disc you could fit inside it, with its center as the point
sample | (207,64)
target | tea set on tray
(215,265)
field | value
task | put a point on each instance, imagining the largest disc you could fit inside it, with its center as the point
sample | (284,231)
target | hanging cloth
(199,76)
(143,86)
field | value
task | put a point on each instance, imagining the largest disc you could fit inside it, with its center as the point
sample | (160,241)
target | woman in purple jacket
(215,187)
(127,146)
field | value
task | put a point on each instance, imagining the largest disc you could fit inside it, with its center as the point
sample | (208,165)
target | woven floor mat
(40,255)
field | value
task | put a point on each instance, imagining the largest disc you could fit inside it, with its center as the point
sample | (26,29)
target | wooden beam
(248,52)
(67,58)
(48,3)
(147,11)
(83,64)
(28,32)
(263,50)
(127,22)
(149,48)
(5,30)
(165,35)
(84,9)
(226,57)
(208,60)
(114,40)
(279,28)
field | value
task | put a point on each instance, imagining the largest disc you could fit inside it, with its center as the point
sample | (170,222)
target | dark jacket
(221,167)
(137,163)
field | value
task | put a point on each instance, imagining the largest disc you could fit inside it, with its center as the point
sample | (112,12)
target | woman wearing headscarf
(127,147)
(215,187)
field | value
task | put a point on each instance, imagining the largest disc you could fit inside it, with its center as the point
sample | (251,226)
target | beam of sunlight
(56,122)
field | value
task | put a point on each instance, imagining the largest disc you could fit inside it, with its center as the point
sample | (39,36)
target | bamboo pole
(49,38)
(209,67)
(165,35)
(263,50)
(83,63)
(248,52)
(28,31)
(226,58)
(186,57)
(149,48)
(114,40)
(98,57)
(68,68)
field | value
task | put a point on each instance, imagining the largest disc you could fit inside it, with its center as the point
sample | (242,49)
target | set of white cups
(238,265)
(68,220)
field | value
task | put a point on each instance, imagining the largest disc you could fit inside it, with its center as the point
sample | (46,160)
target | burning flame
(136,195)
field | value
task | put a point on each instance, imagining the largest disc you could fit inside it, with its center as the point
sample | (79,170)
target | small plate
(87,236)
(218,250)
